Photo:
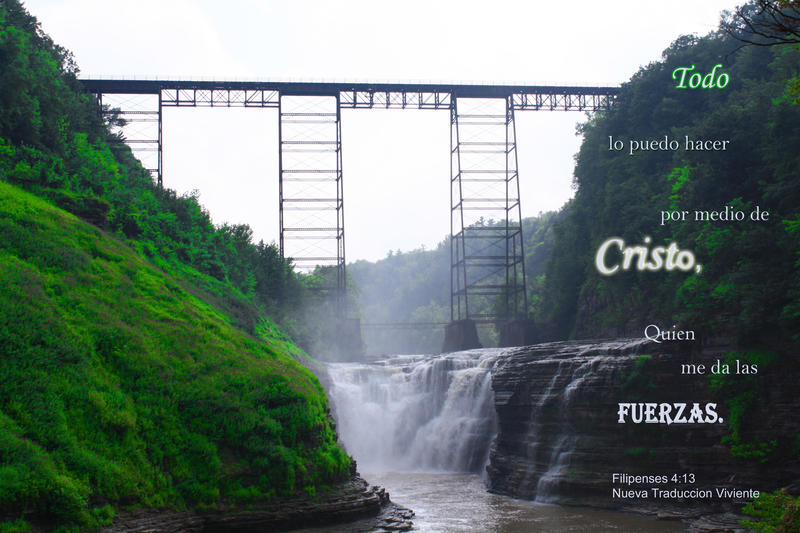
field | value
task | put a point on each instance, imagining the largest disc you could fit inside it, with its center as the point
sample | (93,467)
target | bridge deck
(189,93)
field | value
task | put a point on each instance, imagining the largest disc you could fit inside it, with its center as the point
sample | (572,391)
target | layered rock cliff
(559,439)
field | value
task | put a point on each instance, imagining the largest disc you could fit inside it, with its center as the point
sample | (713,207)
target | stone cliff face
(559,439)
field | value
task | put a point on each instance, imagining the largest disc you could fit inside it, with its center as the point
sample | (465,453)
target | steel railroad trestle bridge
(487,268)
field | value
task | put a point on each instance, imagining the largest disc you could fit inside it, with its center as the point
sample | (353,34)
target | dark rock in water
(350,501)
(395,518)
(460,335)
(559,439)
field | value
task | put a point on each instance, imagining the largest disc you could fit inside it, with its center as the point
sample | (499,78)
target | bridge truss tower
(487,268)
(311,191)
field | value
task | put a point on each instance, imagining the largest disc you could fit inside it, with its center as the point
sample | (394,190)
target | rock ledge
(349,501)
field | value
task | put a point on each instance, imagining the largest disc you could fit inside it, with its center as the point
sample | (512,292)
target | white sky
(396,165)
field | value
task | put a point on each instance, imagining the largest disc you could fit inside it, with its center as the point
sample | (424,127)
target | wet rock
(395,518)
(149,521)
(717,523)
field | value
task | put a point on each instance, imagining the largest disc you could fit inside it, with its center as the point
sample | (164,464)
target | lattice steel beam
(142,131)
(219,98)
(369,99)
(359,95)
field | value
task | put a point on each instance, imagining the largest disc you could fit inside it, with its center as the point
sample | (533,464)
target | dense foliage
(749,286)
(747,295)
(777,512)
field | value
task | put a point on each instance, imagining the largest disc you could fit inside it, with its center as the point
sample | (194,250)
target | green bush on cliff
(122,387)
(639,382)
(744,395)
(777,512)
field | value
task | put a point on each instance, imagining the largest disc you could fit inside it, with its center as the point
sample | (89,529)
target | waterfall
(538,421)
(417,413)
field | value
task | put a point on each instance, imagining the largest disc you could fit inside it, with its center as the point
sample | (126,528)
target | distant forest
(414,287)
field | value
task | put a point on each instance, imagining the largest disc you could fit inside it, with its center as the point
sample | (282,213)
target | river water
(459,503)
(446,503)
(421,427)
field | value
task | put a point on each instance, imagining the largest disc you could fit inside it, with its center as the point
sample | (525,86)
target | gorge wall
(559,439)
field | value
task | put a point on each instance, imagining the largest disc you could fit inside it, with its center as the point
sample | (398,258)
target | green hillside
(140,363)
(122,387)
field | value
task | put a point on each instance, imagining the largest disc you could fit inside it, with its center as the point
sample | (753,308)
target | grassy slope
(120,387)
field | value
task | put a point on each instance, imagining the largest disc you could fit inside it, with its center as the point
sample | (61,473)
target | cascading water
(570,380)
(417,413)
(438,413)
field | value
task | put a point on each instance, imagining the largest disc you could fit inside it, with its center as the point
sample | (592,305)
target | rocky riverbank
(352,500)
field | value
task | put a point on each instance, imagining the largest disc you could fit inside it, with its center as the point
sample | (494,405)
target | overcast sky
(396,165)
